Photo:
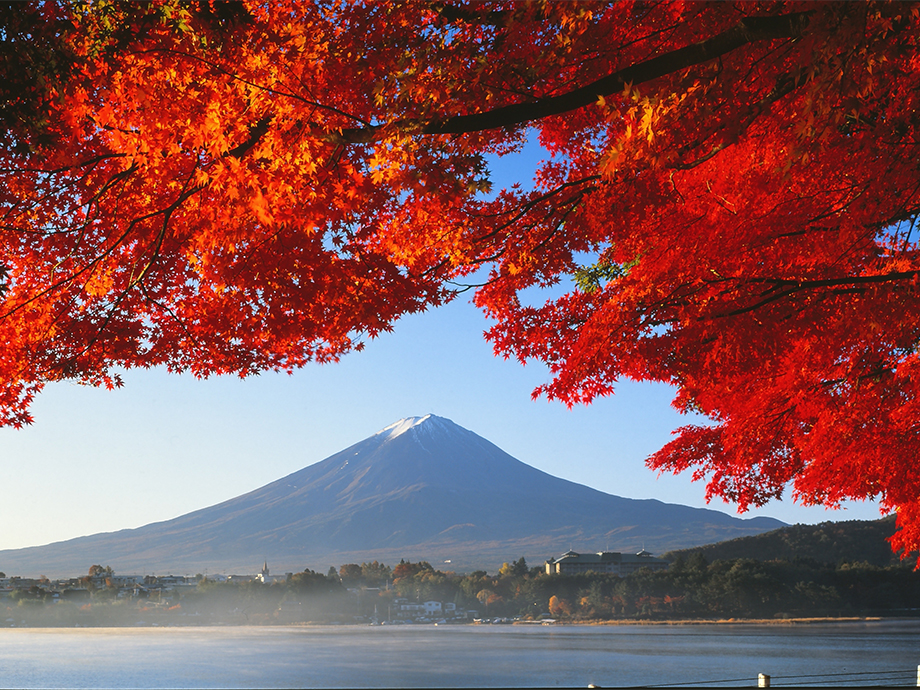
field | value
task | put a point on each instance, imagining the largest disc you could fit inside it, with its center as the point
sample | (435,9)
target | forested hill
(829,542)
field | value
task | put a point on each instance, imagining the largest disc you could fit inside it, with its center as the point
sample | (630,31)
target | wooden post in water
(763,680)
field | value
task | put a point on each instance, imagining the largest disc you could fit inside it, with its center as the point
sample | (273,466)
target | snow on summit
(400,427)
(403,425)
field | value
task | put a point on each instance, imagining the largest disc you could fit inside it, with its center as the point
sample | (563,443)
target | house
(427,610)
(410,609)
(611,562)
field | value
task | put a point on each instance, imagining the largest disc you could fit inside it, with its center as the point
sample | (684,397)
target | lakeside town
(155,594)
(575,587)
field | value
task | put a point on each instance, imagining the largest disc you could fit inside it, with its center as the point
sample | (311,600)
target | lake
(868,653)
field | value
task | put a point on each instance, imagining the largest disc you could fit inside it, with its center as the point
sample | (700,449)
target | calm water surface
(458,656)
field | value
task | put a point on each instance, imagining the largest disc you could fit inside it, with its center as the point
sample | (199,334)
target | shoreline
(182,621)
(813,620)
(767,622)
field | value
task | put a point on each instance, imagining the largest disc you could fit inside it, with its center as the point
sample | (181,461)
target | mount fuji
(423,488)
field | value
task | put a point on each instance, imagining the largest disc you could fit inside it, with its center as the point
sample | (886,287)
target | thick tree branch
(256,132)
(783,288)
(778,283)
(748,30)
(452,13)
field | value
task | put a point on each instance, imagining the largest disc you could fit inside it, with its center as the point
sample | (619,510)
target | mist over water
(454,656)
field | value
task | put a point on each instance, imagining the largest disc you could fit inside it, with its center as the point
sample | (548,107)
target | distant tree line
(691,588)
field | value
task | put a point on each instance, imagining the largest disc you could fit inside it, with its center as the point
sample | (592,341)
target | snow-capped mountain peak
(423,485)
(400,427)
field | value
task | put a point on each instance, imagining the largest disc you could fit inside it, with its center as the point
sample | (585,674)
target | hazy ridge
(848,541)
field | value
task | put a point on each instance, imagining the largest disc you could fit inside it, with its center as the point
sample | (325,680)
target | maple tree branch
(452,13)
(785,85)
(91,265)
(880,369)
(188,190)
(793,286)
(63,168)
(525,208)
(267,89)
(88,166)
(569,204)
(170,312)
(256,132)
(748,30)
(833,282)
(910,230)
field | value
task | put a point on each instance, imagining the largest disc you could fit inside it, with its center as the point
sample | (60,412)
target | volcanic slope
(422,488)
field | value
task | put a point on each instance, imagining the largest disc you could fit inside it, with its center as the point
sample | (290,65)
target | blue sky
(164,445)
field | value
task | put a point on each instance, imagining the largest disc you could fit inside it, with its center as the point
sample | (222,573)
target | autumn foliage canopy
(730,193)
